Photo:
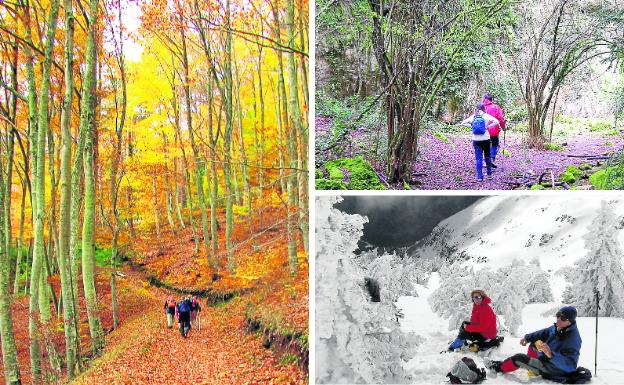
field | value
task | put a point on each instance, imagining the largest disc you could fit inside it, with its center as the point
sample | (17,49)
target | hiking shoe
(492,365)
(479,179)
(493,165)
(489,177)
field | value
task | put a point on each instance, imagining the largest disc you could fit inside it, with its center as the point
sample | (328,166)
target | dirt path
(143,351)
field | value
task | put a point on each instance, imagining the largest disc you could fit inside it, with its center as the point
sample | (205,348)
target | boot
(456,344)
(494,366)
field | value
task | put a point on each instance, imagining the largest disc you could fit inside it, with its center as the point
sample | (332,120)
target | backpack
(171,303)
(465,371)
(580,376)
(478,125)
(184,306)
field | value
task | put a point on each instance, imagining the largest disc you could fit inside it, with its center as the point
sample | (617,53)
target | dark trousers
(185,323)
(494,149)
(482,149)
(474,337)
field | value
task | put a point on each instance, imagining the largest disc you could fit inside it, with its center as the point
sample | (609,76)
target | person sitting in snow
(482,325)
(553,352)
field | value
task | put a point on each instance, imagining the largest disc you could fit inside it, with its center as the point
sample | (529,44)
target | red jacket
(483,319)
(494,110)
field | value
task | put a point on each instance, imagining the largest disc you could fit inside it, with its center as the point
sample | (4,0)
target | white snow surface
(430,367)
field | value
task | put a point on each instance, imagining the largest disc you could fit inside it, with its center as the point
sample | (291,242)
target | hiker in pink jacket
(493,109)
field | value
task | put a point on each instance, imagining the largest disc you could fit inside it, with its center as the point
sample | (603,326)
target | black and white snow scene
(388,306)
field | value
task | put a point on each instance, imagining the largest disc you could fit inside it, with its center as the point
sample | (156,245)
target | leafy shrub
(567,177)
(517,113)
(612,176)
(574,171)
(553,147)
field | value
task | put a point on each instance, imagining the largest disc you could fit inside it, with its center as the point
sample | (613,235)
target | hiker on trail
(195,309)
(170,310)
(494,109)
(481,329)
(184,316)
(553,352)
(480,123)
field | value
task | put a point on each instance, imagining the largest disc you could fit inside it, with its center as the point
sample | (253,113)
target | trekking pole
(199,319)
(596,345)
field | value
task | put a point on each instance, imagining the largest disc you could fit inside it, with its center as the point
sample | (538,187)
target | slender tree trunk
(20,241)
(176,192)
(280,139)
(291,145)
(67,289)
(156,215)
(9,349)
(227,142)
(300,134)
(38,154)
(243,157)
(187,177)
(87,125)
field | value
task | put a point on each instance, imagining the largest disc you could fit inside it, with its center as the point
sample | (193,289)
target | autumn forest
(153,149)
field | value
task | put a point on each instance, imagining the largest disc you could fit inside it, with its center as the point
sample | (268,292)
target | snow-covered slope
(494,231)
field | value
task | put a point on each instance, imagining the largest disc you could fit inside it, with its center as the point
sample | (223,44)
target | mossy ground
(348,174)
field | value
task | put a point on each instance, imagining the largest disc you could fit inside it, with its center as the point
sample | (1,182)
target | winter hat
(478,292)
(568,312)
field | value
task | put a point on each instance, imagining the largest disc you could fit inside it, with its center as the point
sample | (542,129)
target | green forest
(394,79)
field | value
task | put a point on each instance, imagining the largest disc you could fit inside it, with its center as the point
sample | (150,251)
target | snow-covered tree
(510,288)
(452,299)
(538,287)
(509,295)
(394,276)
(357,340)
(600,270)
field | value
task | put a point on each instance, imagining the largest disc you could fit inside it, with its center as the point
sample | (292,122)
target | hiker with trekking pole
(553,352)
(195,312)
(170,310)
(493,109)
(480,123)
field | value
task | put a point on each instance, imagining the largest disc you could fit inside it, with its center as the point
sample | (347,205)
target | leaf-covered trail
(144,351)
(451,164)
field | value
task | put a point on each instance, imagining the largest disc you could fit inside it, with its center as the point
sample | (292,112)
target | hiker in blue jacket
(184,316)
(553,352)
(480,123)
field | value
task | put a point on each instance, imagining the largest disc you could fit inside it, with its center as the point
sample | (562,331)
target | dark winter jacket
(483,319)
(565,345)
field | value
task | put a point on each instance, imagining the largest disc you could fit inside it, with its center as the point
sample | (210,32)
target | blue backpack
(478,125)
(184,307)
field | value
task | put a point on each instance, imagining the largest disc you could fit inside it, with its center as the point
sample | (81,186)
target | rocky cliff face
(358,339)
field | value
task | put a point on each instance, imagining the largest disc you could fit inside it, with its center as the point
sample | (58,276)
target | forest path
(450,163)
(142,350)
